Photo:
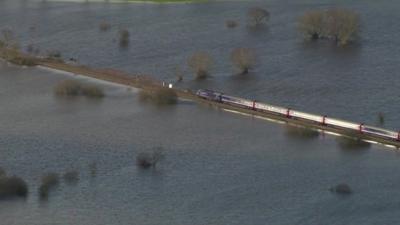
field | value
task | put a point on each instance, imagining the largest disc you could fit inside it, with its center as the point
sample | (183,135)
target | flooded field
(219,167)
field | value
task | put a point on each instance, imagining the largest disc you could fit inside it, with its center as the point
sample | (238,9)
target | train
(297,115)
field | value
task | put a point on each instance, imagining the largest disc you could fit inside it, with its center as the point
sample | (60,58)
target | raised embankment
(148,83)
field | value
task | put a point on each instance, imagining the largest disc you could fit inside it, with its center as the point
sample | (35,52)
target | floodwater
(219,167)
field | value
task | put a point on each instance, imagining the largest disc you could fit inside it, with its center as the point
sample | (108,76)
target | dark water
(220,168)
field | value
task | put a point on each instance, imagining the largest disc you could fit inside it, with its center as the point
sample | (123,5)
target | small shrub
(146,160)
(54,54)
(104,26)
(13,187)
(92,91)
(75,88)
(124,38)
(23,61)
(49,181)
(71,177)
(342,188)
(68,88)
(200,63)
(257,16)
(231,23)
(244,59)
(159,96)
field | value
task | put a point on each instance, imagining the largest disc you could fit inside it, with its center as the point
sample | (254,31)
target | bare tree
(244,59)
(200,63)
(342,25)
(257,16)
(311,24)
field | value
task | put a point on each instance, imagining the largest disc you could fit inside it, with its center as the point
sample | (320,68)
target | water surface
(220,168)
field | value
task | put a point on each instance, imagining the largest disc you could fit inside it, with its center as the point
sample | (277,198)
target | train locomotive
(297,115)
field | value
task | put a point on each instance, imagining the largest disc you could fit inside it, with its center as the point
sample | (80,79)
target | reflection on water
(301,132)
(351,144)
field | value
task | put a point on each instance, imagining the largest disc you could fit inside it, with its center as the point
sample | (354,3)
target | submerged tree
(339,25)
(257,16)
(342,25)
(311,24)
(244,59)
(200,63)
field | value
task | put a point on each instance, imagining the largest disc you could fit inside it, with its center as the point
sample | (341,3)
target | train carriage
(322,120)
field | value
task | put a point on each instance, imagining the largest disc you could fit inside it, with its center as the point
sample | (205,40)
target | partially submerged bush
(146,160)
(381,118)
(159,96)
(257,16)
(93,169)
(49,181)
(71,177)
(104,26)
(342,188)
(68,88)
(339,25)
(55,56)
(13,187)
(347,143)
(124,38)
(23,61)
(244,59)
(200,63)
(92,91)
(75,88)
(231,23)
(312,24)
(301,132)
